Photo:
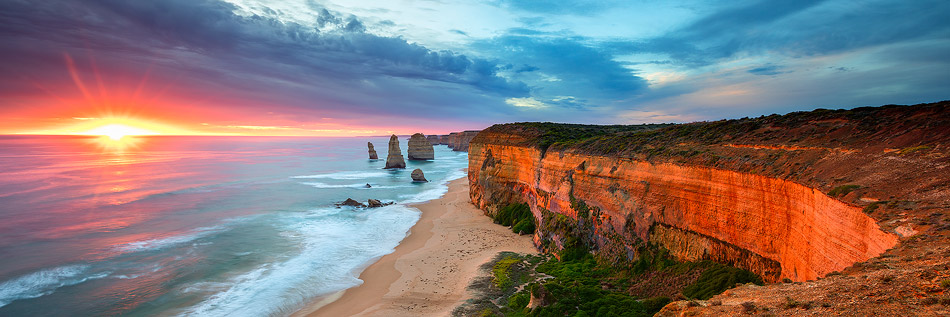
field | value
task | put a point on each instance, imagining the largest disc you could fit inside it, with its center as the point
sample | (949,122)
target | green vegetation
(717,279)
(516,216)
(842,190)
(500,271)
(564,134)
(945,283)
(913,149)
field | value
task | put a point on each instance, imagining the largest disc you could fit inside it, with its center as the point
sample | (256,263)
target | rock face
(394,159)
(419,148)
(372,151)
(453,138)
(444,139)
(730,213)
(433,139)
(417,176)
(463,139)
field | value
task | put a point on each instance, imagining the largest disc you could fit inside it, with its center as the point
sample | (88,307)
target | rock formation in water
(433,139)
(394,159)
(453,139)
(351,202)
(417,176)
(463,140)
(375,203)
(795,197)
(444,139)
(372,151)
(419,148)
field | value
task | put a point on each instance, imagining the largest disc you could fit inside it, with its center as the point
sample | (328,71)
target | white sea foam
(357,186)
(335,246)
(45,282)
(164,242)
(346,175)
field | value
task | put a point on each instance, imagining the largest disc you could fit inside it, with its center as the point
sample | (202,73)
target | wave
(335,247)
(161,243)
(346,175)
(45,282)
(356,186)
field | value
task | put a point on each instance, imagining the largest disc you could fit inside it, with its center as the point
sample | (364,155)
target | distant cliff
(793,197)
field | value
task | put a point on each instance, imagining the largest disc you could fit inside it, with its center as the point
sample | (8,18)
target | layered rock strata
(433,139)
(750,193)
(372,151)
(419,148)
(394,158)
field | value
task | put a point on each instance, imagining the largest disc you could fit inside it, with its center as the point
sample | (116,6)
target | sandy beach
(431,268)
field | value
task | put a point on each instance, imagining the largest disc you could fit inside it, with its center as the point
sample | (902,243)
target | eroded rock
(394,159)
(419,148)
(372,151)
(418,176)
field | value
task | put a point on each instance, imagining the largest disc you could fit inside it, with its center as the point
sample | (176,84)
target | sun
(116,131)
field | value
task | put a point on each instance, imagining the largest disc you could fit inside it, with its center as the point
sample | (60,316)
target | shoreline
(430,270)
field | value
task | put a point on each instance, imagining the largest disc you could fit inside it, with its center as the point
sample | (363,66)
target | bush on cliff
(717,278)
(517,216)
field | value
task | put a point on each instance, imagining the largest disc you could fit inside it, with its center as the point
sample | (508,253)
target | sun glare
(118,131)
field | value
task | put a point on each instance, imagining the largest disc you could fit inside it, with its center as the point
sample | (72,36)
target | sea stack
(394,158)
(419,148)
(372,151)
(417,176)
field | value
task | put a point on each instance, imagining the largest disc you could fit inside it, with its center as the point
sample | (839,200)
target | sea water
(204,226)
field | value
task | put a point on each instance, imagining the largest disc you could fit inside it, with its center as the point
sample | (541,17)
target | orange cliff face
(773,227)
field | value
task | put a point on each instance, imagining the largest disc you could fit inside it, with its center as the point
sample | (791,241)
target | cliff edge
(795,198)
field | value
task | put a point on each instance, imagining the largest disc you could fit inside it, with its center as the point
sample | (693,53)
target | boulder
(419,148)
(394,159)
(417,176)
(368,185)
(373,203)
(351,202)
(372,151)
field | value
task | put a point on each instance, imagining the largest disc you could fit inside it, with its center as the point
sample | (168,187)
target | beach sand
(429,271)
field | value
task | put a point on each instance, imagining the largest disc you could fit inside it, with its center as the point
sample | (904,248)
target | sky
(360,67)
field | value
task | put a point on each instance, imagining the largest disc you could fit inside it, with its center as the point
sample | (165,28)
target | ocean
(197,226)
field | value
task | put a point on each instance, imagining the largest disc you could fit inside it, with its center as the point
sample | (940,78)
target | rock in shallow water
(420,148)
(394,158)
(418,176)
(372,151)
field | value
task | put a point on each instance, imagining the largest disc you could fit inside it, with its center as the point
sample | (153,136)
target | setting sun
(118,131)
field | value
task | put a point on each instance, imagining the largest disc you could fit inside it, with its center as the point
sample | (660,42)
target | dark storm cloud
(205,41)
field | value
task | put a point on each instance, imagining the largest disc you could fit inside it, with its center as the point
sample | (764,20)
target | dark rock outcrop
(419,148)
(372,151)
(351,202)
(394,159)
(418,176)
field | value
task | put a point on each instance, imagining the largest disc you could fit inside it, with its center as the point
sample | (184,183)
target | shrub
(843,190)
(945,283)
(519,301)
(717,279)
(500,272)
(518,217)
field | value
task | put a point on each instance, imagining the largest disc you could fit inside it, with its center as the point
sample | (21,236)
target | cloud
(203,45)
(526,102)
(769,70)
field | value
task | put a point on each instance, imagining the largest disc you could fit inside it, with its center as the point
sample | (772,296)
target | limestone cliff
(372,151)
(394,159)
(453,139)
(462,140)
(419,148)
(752,193)
(433,139)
